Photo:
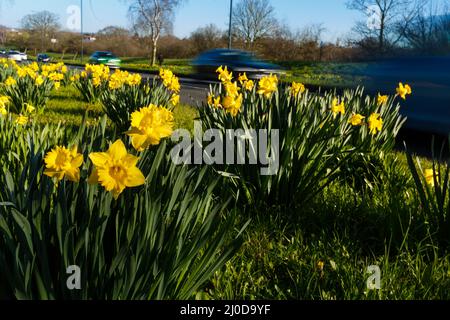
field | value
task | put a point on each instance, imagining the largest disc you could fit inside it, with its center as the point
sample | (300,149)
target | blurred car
(42,57)
(427,109)
(237,61)
(106,58)
(17,56)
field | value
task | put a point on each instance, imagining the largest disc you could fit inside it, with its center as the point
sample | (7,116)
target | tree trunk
(154,51)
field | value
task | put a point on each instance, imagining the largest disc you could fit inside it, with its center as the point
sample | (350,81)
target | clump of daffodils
(232,101)
(170,81)
(120,78)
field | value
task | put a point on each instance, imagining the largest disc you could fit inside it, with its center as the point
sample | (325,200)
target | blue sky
(334,15)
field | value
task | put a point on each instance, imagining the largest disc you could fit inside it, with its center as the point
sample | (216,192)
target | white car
(17,56)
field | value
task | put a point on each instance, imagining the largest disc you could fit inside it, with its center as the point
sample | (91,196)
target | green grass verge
(347,231)
(67,107)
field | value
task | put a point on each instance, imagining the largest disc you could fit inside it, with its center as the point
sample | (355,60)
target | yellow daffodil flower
(224,75)
(356,120)
(232,104)
(149,125)
(297,89)
(382,99)
(29,108)
(116,170)
(268,85)
(403,90)
(175,99)
(375,123)
(337,107)
(21,120)
(10,82)
(429,177)
(61,162)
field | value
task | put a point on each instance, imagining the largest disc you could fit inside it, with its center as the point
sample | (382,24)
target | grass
(67,107)
(328,74)
(347,232)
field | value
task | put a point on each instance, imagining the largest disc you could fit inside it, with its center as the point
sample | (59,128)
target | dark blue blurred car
(237,61)
(42,57)
(428,108)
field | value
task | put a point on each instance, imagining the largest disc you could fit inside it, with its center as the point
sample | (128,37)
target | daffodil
(268,85)
(149,125)
(249,85)
(57,85)
(4,101)
(39,81)
(213,101)
(29,108)
(224,75)
(232,89)
(96,81)
(337,107)
(134,79)
(170,81)
(430,177)
(297,89)
(21,120)
(375,123)
(10,82)
(3,111)
(175,99)
(21,72)
(116,170)
(243,78)
(232,104)
(54,76)
(382,99)
(320,265)
(403,90)
(356,120)
(61,162)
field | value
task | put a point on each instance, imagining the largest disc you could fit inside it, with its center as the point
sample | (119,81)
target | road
(427,109)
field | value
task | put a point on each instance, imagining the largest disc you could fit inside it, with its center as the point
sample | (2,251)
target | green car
(106,58)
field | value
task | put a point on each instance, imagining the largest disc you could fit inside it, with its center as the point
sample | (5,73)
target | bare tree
(253,20)
(153,18)
(429,32)
(207,37)
(43,23)
(386,20)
